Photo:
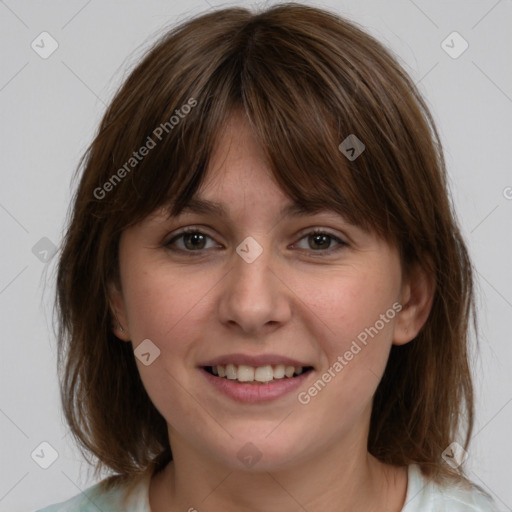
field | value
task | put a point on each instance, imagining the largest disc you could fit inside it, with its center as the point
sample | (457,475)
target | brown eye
(321,241)
(194,240)
(190,240)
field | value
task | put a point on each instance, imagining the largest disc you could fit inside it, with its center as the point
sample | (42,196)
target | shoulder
(120,499)
(83,502)
(426,496)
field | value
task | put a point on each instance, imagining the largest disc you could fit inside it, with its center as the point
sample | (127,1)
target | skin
(299,298)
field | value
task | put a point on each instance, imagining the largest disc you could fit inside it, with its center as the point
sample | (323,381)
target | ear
(417,297)
(117,310)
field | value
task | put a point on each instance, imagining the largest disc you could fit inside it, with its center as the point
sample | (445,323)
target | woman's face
(254,287)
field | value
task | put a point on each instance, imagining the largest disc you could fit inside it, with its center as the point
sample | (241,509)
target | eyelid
(320,230)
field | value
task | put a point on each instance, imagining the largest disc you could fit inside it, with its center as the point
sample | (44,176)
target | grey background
(50,107)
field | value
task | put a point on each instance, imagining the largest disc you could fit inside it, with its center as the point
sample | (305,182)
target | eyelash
(314,232)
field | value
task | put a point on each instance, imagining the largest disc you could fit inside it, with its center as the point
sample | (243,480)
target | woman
(263,293)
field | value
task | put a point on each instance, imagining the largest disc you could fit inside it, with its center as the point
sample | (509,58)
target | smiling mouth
(256,375)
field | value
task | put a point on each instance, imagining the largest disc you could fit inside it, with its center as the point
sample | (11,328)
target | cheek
(354,317)
(158,305)
(350,302)
(160,308)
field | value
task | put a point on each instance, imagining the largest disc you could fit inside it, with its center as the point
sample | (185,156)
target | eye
(320,241)
(192,239)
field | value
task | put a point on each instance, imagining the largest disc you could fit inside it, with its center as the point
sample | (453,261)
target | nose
(253,297)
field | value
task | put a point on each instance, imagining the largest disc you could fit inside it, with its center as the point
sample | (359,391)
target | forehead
(238,162)
(243,176)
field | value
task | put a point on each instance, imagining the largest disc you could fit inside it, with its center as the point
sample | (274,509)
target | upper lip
(261,360)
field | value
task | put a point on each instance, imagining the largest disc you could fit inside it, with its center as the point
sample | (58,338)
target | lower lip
(253,393)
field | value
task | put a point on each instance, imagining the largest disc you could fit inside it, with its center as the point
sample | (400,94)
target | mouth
(267,374)
(256,378)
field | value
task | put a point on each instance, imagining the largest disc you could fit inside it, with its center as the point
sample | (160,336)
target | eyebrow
(205,206)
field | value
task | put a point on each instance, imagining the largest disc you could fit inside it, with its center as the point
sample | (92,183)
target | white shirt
(422,496)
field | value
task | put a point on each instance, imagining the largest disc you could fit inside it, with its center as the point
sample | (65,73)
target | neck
(330,483)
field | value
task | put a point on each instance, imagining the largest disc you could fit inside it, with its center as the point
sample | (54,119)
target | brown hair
(305,79)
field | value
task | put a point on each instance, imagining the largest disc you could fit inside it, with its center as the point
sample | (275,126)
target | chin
(257,453)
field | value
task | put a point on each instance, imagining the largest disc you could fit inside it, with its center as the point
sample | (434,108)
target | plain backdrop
(50,107)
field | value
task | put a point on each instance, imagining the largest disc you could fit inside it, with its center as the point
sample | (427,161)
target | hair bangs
(286,108)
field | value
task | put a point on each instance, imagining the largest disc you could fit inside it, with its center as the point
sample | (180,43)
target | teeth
(279,371)
(288,371)
(264,373)
(230,371)
(267,373)
(245,373)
